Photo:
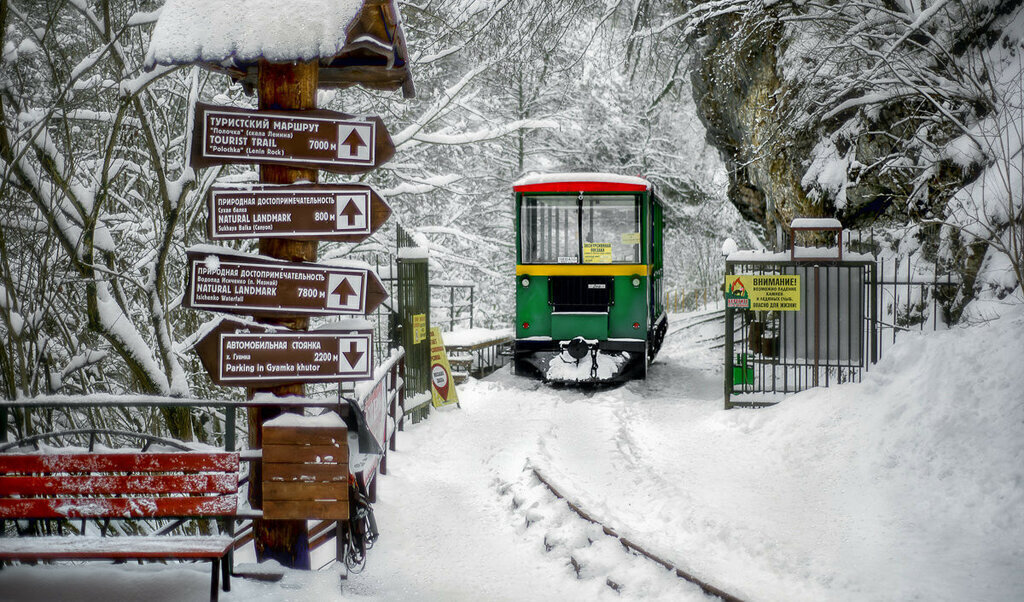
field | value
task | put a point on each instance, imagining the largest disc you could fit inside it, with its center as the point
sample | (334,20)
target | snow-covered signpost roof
(355,41)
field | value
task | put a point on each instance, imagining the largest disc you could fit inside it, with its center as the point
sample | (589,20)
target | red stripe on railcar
(581,187)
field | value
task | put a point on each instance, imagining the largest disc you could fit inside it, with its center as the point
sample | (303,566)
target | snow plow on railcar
(589,293)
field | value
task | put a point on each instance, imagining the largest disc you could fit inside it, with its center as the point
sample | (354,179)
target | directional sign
(339,212)
(315,139)
(250,355)
(261,287)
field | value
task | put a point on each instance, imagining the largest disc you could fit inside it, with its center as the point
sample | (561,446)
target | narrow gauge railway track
(717,315)
(706,587)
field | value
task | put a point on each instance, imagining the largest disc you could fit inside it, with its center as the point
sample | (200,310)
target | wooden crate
(305,472)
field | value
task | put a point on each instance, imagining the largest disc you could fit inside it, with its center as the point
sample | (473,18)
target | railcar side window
(611,229)
(549,230)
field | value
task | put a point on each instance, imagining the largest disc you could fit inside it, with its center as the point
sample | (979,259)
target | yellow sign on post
(597,252)
(763,292)
(419,327)
(441,386)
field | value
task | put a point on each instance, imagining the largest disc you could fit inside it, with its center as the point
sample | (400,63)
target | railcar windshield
(566,229)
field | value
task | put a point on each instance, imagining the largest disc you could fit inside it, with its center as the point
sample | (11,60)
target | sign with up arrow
(314,139)
(336,212)
(256,286)
(255,355)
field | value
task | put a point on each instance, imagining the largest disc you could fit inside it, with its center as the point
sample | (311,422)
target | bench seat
(72,547)
(104,486)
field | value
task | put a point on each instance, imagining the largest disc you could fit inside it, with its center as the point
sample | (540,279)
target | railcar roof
(581,182)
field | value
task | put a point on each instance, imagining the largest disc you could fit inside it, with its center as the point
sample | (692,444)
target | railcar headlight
(525,281)
(636,282)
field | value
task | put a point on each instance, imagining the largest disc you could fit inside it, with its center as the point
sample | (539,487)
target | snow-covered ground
(908,486)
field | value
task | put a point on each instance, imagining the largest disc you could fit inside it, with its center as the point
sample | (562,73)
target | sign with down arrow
(255,355)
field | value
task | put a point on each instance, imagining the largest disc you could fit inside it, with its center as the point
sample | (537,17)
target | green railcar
(589,292)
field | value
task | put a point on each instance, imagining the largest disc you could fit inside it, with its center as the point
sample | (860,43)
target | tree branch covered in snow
(91,154)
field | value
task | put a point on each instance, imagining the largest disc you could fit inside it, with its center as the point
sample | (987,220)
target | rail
(630,545)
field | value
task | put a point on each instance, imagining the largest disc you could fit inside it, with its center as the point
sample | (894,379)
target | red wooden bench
(120,486)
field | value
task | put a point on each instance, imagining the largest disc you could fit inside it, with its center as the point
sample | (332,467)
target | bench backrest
(118,485)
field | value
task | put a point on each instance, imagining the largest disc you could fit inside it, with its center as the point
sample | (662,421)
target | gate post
(728,345)
(414,300)
(874,311)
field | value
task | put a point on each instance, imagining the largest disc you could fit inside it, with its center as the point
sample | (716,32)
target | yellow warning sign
(763,292)
(597,252)
(442,388)
(631,238)
(419,327)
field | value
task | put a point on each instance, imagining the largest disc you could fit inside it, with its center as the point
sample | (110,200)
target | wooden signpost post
(283,287)
(291,141)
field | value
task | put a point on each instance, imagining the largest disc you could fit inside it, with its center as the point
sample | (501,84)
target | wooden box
(305,469)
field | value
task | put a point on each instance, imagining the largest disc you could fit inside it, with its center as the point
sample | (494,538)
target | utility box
(742,370)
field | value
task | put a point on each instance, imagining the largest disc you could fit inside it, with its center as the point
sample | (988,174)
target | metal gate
(414,315)
(831,339)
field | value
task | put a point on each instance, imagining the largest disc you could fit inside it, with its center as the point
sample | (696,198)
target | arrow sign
(352,356)
(344,289)
(256,286)
(316,139)
(357,148)
(335,212)
(351,212)
(255,355)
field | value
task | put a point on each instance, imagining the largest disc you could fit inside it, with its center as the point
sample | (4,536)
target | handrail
(150,439)
(109,400)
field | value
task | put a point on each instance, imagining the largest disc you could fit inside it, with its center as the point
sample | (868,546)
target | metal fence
(451,304)
(692,299)
(413,305)
(911,299)
(851,312)
(833,338)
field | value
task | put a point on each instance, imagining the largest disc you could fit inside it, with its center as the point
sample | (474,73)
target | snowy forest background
(903,118)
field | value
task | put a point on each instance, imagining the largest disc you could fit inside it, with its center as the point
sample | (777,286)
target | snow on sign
(315,139)
(252,355)
(338,212)
(260,287)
